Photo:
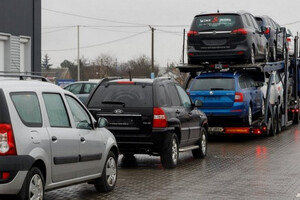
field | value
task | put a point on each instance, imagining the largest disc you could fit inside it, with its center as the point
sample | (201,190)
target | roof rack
(24,76)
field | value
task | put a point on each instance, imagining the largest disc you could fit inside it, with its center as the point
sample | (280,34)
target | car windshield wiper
(114,102)
(217,89)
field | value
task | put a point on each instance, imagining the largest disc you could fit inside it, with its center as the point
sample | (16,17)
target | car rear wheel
(248,119)
(33,186)
(252,55)
(108,179)
(267,53)
(272,121)
(169,157)
(201,152)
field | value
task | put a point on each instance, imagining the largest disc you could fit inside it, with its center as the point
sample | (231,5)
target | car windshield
(218,22)
(123,95)
(213,84)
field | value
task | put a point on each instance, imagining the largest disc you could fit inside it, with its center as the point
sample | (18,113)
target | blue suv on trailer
(227,97)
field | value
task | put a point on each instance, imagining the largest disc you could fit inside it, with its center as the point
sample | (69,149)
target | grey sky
(109,38)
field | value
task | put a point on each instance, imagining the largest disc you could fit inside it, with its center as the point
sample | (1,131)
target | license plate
(215,129)
(218,66)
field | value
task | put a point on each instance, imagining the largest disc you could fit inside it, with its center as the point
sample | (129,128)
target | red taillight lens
(5,175)
(289,39)
(190,33)
(240,31)
(267,32)
(238,97)
(7,142)
(159,118)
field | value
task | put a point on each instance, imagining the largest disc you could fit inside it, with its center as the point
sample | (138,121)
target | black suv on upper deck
(226,37)
(151,116)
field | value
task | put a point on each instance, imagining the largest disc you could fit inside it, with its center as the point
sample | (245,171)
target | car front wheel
(201,152)
(108,179)
(169,157)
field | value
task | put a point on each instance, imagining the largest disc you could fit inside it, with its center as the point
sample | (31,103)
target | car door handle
(177,112)
(82,139)
(54,139)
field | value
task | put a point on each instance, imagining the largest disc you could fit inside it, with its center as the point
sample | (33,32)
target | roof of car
(141,80)
(220,74)
(26,85)
(226,12)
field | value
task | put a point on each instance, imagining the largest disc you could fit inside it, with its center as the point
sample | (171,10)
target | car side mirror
(198,103)
(263,29)
(102,122)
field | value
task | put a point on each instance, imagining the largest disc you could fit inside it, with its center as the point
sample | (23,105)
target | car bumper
(139,142)
(17,167)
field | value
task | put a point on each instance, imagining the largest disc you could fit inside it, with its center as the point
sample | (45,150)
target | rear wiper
(114,102)
(217,89)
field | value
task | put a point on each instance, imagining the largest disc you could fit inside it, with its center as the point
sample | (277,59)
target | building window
(25,58)
(3,39)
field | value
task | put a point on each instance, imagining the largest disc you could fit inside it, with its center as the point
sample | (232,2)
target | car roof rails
(21,76)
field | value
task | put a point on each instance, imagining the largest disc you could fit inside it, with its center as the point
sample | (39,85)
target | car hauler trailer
(277,115)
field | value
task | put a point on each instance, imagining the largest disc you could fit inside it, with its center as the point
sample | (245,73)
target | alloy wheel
(36,188)
(111,171)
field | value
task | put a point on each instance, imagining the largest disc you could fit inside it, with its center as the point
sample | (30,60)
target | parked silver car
(48,139)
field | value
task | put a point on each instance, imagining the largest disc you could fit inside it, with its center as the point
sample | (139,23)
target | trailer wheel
(279,120)
(296,118)
(273,119)
(274,53)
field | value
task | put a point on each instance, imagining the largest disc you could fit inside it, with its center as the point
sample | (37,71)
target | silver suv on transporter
(48,139)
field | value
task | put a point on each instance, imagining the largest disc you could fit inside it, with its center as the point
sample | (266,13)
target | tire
(296,118)
(263,107)
(252,56)
(279,120)
(108,179)
(169,157)
(248,118)
(34,181)
(273,128)
(274,53)
(267,56)
(201,151)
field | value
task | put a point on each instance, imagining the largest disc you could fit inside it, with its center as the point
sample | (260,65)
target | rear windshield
(123,95)
(213,84)
(259,21)
(216,22)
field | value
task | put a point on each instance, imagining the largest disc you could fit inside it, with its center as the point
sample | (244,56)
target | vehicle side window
(88,87)
(254,22)
(174,95)
(250,21)
(246,20)
(186,102)
(75,88)
(242,82)
(28,108)
(250,82)
(161,96)
(56,110)
(81,117)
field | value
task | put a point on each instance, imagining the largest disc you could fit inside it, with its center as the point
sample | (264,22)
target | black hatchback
(151,116)
(226,38)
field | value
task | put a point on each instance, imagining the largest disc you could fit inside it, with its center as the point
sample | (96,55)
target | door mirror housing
(263,29)
(198,103)
(102,122)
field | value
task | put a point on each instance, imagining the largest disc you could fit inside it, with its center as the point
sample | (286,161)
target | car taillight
(289,39)
(190,33)
(238,97)
(126,82)
(7,142)
(240,31)
(267,31)
(159,118)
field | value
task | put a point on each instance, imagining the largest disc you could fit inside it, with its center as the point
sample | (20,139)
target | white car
(48,139)
(276,92)
(290,42)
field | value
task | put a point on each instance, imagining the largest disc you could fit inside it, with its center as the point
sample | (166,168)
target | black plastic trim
(85,158)
(4,116)
(65,160)
(16,163)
